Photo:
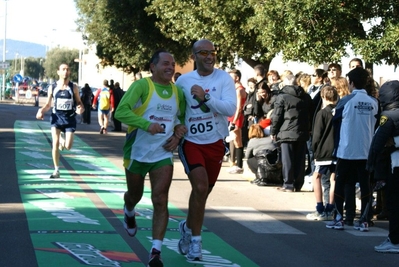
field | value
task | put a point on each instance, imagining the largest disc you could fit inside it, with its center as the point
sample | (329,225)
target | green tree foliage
(124,34)
(382,39)
(56,56)
(33,68)
(224,22)
(313,31)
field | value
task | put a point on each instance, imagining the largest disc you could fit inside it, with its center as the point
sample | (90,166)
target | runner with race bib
(210,98)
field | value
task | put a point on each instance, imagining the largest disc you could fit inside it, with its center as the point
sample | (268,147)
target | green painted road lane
(66,216)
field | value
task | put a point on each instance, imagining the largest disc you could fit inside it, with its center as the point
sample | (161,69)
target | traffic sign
(17,78)
(4,65)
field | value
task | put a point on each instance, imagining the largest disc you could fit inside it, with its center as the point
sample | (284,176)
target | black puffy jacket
(382,144)
(292,115)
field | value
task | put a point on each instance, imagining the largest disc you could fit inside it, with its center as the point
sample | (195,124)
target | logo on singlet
(164,107)
(155,118)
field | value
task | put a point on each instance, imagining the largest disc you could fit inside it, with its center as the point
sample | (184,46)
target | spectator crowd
(322,127)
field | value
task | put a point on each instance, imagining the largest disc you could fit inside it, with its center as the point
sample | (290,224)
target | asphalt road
(263,225)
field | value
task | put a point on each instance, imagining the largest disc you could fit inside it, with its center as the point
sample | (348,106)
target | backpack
(105,101)
(269,166)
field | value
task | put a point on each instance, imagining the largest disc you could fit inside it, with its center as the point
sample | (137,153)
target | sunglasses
(206,53)
(332,69)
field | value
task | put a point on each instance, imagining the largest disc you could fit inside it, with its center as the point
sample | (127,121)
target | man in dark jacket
(291,124)
(383,160)
(118,94)
(87,99)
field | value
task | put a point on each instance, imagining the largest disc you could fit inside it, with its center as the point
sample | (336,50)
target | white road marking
(373,231)
(257,221)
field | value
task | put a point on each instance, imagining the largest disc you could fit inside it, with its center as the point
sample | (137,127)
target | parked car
(43,88)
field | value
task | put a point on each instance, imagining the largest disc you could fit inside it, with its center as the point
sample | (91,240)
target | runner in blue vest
(67,104)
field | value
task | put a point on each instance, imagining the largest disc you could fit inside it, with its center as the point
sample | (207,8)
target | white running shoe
(56,174)
(130,225)
(236,170)
(195,251)
(61,143)
(387,247)
(185,238)
(361,226)
(336,224)
(316,216)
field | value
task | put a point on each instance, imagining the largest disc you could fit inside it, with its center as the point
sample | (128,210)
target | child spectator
(323,146)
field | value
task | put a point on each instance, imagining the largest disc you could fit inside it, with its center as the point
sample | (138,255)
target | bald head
(198,45)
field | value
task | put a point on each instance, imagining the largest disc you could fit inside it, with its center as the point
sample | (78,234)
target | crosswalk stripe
(257,221)
(373,231)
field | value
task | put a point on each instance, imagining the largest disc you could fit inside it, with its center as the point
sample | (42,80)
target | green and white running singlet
(144,103)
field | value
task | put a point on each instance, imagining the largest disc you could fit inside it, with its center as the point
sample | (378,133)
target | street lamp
(22,66)
(4,49)
(16,61)
(41,70)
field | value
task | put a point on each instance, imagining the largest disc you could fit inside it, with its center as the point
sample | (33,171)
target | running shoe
(185,238)
(236,170)
(101,130)
(56,174)
(194,251)
(316,216)
(129,223)
(361,226)
(387,247)
(336,224)
(61,145)
(286,189)
(329,215)
(155,258)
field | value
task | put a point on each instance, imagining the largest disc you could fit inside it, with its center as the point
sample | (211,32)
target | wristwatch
(207,97)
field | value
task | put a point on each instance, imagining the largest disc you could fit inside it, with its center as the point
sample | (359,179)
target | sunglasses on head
(206,53)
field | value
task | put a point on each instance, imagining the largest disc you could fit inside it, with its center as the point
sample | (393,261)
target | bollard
(36,100)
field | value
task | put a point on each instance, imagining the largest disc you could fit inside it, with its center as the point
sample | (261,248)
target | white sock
(186,229)
(157,244)
(57,169)
(130,213)
(196,238)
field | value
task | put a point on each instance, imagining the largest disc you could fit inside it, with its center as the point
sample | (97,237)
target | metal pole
(80,67)
(4,50)
(15,62)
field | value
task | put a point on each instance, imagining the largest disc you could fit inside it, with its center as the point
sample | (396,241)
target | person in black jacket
(314,91)
(383,160)
(250,110)
(87,99)
(118,94)
(291,124)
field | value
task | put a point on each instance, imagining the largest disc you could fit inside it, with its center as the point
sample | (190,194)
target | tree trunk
(253,63)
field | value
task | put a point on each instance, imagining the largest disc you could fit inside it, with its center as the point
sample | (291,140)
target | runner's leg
(161,179)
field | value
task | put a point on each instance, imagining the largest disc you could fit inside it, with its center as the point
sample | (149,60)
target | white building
(94,74)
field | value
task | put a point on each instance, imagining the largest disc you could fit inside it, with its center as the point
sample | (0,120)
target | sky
(46,22)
